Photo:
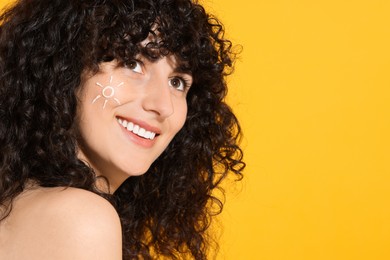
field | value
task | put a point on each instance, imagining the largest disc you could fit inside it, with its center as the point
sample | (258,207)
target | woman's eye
(135,66)
(177,83)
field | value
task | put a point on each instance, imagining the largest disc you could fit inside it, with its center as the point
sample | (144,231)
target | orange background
(312,90)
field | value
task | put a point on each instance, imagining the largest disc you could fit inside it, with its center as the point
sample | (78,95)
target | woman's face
(128,115)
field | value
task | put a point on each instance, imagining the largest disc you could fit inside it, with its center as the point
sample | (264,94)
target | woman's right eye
(135,66)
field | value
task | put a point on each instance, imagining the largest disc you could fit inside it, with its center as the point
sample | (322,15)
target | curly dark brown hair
(45,45)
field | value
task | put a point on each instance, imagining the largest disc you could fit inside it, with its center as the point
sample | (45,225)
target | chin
(137,171)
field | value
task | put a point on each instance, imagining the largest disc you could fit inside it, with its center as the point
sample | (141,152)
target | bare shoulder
(90,220)
(71,201)
(71,223)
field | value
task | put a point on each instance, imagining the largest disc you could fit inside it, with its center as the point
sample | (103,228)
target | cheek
(181,115)
(106,91)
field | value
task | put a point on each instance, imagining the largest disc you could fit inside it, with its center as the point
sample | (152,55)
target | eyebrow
(183,70)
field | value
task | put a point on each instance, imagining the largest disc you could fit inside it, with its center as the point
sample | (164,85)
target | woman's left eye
(177,83)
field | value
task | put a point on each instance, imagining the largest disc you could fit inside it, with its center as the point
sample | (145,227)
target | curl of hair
(45,45)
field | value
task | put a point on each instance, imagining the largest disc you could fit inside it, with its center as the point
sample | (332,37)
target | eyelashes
(180,82)
(136,66)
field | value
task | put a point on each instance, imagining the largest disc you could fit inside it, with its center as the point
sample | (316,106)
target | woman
(114,132)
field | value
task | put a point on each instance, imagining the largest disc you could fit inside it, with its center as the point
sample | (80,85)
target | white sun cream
(107,93)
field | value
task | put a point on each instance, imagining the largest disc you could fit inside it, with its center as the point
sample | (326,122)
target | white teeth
(141,132)
(130,126)
(136,129)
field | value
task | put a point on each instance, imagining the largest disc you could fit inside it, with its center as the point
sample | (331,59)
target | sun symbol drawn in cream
(107,93)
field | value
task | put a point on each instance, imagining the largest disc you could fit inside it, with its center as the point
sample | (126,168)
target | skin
(149,94)
(58,223)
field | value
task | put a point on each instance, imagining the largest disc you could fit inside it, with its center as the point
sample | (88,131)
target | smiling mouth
(136,129)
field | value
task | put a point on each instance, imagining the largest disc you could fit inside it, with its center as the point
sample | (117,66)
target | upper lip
(142,124)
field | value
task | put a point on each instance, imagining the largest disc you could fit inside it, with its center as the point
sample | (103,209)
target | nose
(158,98)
